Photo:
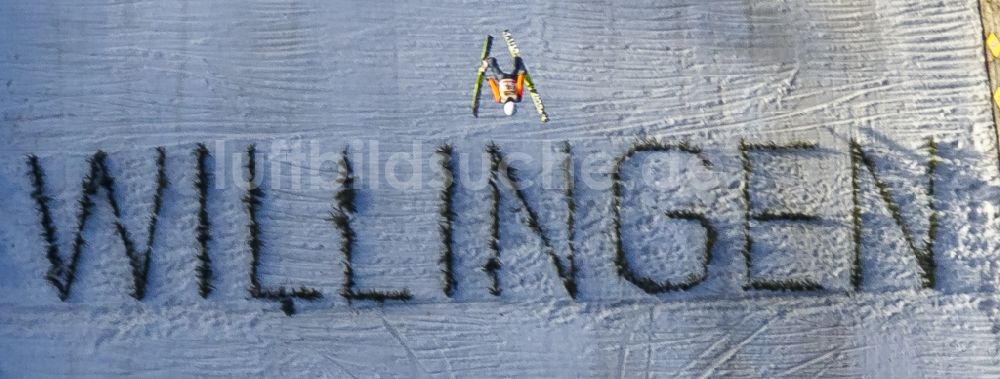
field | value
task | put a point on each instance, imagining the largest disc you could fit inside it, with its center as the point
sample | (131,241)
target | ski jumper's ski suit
(506,87)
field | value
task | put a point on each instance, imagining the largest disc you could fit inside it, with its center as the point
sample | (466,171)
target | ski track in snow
(319,77)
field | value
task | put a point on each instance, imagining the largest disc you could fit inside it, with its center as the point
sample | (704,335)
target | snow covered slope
(390,83)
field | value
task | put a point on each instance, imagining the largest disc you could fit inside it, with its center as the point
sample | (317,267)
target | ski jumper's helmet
(509,108)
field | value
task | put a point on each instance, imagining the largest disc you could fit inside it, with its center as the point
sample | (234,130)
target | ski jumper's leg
(518,65)
(495,69)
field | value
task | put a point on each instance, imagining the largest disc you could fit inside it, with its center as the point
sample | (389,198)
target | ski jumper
(506,87)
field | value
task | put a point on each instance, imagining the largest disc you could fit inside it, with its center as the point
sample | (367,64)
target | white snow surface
(391,80)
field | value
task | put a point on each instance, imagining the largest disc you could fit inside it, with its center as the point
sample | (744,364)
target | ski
(479,78)
(532,92)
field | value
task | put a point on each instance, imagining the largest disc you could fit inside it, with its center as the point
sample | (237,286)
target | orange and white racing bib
(508,90)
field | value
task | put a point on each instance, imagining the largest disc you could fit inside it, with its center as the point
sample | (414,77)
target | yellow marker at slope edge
(993,44)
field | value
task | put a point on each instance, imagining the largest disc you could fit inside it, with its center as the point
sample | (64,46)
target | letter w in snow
(62,270)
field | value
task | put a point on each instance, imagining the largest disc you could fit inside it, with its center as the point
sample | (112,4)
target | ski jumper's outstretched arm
(520,72)
(493,77)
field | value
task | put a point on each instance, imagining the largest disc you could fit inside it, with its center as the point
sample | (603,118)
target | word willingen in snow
(99,186)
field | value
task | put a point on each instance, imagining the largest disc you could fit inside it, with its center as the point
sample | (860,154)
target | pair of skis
(528,84)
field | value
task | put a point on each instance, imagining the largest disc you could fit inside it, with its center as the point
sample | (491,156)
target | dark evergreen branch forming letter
(647,284)
(773,285)
(566,272)
(927,263)
(492,266)
(204,270)
(343,210)
(447,216)
(58,270)
(142,264)
(251,202)
(856,215)
(569,186)
(924,254)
